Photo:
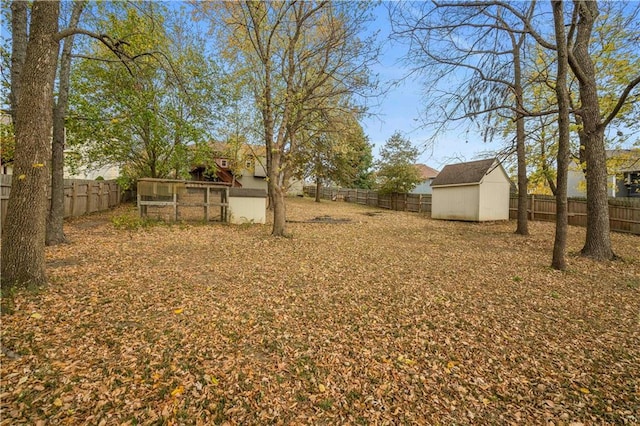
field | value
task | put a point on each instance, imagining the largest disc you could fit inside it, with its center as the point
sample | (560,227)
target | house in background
(428,174)
(242,167)
(623,178)
(473,191)
(246,170)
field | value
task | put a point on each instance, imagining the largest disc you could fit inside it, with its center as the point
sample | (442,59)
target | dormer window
(224,163)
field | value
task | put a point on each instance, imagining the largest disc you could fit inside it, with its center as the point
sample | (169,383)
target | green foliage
(151,116)
(396,168)
(131,222)
(336,150)
(7,142)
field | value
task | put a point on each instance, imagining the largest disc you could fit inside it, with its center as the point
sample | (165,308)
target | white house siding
(494,196)
(455,202)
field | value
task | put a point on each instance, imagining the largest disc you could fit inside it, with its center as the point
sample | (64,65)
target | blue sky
(402,106)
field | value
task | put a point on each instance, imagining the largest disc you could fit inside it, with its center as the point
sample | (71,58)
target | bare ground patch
(388,318)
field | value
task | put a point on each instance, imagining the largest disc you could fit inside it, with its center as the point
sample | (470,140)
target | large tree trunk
(598,240)
(279,212)
(19,38)
(55,220)
(560,242)
(23,237)
(523,221)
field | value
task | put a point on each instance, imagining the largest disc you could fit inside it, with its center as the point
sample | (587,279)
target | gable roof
(471,172)
(426,172)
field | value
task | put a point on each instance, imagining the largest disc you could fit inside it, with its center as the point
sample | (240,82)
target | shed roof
(471,172)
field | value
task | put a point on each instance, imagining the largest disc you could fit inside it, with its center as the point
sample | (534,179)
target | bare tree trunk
(19,38)
(23,237)
(523,220)
(560,242)
(318,188)
(598,240)
(55,220)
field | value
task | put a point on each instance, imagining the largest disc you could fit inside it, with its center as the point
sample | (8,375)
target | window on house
(224,162)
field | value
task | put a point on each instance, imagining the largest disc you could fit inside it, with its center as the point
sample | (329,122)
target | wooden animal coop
(183,200)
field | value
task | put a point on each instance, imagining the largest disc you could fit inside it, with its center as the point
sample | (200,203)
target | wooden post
(87,193)
(533,207)
(420,203)
(206,205)
(175,206)
(74,194)
(139,205)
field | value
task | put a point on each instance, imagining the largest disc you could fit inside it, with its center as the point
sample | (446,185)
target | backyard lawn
(362,317)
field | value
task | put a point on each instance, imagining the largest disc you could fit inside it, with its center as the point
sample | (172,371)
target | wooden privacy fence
(418,203)
(80,196)
(624,213)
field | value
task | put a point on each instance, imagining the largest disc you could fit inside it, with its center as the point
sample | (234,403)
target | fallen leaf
(57,402)
(177,391)
(178,311)
(321,387)
(36,315)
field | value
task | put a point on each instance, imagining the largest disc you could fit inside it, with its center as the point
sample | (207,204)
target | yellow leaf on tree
(36,315)
(178,391)
(178,311)
(57,402)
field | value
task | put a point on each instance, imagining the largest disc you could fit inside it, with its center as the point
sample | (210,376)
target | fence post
(420,203)
(74,194)
(533,207)
(175,206)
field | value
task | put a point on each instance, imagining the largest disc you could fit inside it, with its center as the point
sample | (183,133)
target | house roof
(464,173)
(624,160)
(426,172)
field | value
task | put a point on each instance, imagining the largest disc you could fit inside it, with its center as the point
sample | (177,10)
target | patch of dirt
(322,219)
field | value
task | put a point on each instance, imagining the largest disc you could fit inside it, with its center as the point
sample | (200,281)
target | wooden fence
(80,196)
(624,213)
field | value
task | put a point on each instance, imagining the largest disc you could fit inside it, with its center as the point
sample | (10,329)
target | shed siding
(247,209)
(494,196)
(456,202)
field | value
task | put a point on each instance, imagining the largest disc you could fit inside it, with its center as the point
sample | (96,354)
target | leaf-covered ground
(375,317)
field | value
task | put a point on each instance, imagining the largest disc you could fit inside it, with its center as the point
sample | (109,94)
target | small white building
(475,191)
(247,205)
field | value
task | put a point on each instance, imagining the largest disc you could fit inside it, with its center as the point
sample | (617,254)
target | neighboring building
(623,178)
(249,170)
(428,174)
(474,191)
(85,172)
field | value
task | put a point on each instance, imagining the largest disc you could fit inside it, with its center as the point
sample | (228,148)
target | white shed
(247,205)
(475,191)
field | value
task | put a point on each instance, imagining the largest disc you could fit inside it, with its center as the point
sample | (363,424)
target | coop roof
(471,172)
